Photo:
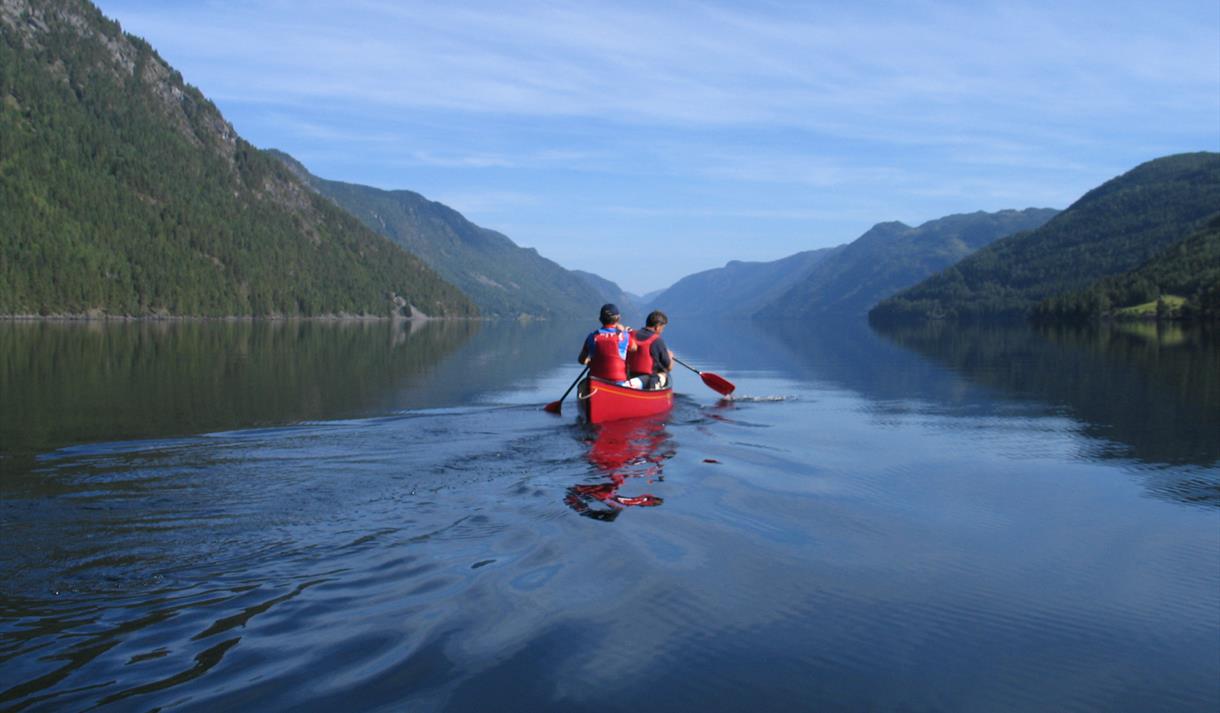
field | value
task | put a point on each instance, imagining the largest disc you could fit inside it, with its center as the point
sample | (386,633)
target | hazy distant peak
(891,256)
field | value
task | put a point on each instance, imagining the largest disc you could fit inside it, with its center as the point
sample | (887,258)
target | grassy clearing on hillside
(1148,309)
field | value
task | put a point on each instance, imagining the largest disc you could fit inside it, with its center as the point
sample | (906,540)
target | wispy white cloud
(664,115)
(691,63)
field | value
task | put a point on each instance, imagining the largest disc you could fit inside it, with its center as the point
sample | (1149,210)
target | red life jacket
(640,360)
(606,359)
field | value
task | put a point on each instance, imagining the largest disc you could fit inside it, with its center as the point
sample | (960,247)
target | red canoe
(604,401)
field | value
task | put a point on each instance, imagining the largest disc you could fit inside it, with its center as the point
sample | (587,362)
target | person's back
(649,365)
(605,351)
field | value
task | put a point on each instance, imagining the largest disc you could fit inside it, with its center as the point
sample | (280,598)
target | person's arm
(584,353)
(661,356)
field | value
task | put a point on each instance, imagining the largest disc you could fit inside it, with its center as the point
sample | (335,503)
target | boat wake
(759,399)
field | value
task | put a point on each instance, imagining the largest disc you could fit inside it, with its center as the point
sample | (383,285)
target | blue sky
(646,141)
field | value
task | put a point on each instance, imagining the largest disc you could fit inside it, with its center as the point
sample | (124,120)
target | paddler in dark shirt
(649,365)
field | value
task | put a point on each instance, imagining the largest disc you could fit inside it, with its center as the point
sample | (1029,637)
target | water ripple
(425,559)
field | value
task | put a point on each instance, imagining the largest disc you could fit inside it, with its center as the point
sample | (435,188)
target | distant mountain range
(738,289)
(845,280)
(609,291)
(504,279)
(1113,229)
(125,192)
(892,256)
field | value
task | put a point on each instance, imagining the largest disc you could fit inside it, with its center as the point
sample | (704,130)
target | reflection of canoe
(603,401)
(625,453)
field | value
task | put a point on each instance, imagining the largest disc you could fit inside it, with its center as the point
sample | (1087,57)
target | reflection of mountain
(1154,396)
(1139,394)
(844,352)
(69,383)
(501,355)
(72,383)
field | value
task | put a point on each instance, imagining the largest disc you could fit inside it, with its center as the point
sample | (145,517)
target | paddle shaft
(557,405)
(714,381)
(688,366)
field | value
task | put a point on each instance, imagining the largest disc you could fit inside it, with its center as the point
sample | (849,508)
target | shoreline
(233,318)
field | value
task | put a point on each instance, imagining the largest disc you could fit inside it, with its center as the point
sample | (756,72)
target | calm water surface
(374,517)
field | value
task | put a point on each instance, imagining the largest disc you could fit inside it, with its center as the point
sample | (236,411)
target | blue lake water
(312,516)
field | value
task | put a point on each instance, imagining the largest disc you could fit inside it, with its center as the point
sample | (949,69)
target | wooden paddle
(716,382)
(557,406)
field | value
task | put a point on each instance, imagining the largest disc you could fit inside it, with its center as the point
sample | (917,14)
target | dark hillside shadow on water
(1155,394)
(502,355)
(838,353)
(1140,394)
(849,546)
(70,383)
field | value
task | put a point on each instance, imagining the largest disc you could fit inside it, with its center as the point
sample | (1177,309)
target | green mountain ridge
(504,279)
(123,191)
(1111,230)
(892,256)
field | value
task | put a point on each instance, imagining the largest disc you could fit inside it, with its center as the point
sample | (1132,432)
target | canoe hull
(602,401)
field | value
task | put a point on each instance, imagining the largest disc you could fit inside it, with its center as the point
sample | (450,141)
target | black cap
(609,313)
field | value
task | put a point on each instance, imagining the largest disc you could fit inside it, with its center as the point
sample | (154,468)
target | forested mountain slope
(1112,229)
(123,191)
(504,279)
(1183,281)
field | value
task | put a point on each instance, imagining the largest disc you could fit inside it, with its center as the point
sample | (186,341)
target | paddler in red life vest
(606,350)
(648,366)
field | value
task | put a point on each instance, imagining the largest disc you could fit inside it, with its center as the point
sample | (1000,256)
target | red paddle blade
(717,383)
(553,407)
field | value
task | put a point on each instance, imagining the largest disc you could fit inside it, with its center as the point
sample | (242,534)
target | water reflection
(632,449)
(68,383)
(873,549)
(843,353)
(1142,394)
(1136,393)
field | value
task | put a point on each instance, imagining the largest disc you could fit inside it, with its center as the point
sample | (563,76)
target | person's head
(656,320)
(609,314)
